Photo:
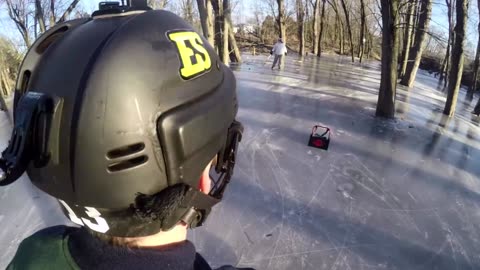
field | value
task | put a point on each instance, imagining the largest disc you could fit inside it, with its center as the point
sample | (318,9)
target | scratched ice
(389,194)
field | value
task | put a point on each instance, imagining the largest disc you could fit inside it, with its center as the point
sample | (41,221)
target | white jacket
(279,48)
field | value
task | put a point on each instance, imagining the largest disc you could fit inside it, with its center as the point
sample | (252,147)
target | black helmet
(120,113)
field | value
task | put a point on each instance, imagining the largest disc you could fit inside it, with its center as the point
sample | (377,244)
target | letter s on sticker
(194,58)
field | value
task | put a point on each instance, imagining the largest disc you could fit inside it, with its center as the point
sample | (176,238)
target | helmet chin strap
(29,137)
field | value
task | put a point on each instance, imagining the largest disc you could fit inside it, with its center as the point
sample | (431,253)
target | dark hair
(149,208)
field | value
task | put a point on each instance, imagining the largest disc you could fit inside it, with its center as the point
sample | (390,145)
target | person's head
(280,40)
(124,113)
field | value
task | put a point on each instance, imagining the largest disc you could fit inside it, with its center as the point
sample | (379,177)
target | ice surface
(389,194)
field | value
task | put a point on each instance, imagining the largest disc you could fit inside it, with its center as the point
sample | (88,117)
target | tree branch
(68,11)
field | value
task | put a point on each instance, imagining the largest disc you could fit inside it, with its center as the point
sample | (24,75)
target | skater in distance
(279,50)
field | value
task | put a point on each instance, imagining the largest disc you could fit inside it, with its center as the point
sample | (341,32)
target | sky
(244,8)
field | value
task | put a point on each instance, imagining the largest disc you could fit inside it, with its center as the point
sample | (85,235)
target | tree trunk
(363,19)
(210,22)
(156,4)
(445,64)
(53,17)
(388,82)
(235,52)
(202,12)
(473,85)
(407,42)
(40,16)
(3,104)
(232,43)
(206,19)
(68,10)
(448,64)
(35,23)
(342,37)
(322,26)
(416,17)
(282,25)
(5,87)
(456,69)
(446,61)
(339,26)
(415,53)
(315,27)
(281,20)
(218,10)
(187,10)
(301,31)
(334,33)
(349,28)
(370,45)
(226,13)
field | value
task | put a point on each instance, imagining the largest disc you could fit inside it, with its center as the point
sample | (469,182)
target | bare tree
(339,24)
(299,6)
(205,11)
(456,69)
(235,55)
(39,16)
(416,19)
(407,40)
(224,37)
(157,4)
(53,13)
(415,54)
(388,82)
(315,27)
(234,51)
(218,11)
(187,10)
(226,13)
(322,29)
(363,28)
(9,61)
(18,11)
(473,85)
(30,16)
(67,12)
(349,28)
(446,61)
(281,19)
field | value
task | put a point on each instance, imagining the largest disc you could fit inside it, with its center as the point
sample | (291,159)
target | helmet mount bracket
(115,7)
(29,137)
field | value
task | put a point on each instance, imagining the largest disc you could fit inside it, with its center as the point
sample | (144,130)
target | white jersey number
(100,225)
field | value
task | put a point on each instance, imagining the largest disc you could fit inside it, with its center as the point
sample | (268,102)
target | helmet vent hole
(128,164)
(43,46)
(126,150)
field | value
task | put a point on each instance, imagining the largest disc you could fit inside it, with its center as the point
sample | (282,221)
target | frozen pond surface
(389,194)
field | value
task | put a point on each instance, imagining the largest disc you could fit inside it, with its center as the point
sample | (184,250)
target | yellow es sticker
(193,55)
